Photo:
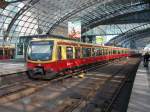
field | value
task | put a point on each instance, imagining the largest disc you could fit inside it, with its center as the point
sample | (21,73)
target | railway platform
(140,97)
(11,66)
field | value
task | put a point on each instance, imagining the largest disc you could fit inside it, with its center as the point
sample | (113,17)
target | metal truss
(133,34)
(77,10)
(114,14)
(26,7)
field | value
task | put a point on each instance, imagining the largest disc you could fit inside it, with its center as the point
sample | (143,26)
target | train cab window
(77,53)
(86,52)
(59,53)
(69,52)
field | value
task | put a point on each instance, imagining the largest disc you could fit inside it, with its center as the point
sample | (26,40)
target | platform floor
(11,67)
(140,96)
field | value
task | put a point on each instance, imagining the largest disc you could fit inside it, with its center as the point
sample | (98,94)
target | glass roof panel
(55,14)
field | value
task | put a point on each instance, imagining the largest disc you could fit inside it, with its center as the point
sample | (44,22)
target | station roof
(104,17)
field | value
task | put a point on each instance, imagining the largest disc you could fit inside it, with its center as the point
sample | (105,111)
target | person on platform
(146,58)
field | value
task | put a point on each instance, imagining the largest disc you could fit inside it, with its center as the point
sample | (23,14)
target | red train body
(6,52)
(66,54)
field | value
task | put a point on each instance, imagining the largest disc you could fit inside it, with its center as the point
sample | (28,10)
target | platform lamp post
(39,30)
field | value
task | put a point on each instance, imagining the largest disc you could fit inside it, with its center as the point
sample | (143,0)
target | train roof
(72,41)
(7,46)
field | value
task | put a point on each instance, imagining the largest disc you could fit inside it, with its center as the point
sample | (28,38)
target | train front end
(39,58)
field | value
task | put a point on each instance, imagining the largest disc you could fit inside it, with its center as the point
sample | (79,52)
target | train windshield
(40,50)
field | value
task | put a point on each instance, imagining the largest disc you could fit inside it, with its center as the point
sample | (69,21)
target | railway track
(96,95)
(11,91)
(93,93)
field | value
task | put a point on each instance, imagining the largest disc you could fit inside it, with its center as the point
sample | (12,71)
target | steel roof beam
(21,11)
(134,35)
(98,21)
(79,9)
(129,18)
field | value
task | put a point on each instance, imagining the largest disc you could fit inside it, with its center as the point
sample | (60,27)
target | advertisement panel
(100,40)
(74,29)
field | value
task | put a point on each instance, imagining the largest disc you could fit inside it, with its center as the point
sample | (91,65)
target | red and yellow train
(6,52)
(50,56)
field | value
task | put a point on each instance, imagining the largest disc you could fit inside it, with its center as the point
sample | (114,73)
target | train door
(59,52)
(69,52)
(77,52)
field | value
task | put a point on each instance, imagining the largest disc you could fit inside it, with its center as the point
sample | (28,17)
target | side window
(6,52)
(69,52)
(104,51)
(59,53)
(114,51)
(98,51)
(101,52)
(1,52)
(86,52)
(93,52)
(77,52)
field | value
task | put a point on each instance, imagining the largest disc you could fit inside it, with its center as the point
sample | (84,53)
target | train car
(46,58)
(6,52)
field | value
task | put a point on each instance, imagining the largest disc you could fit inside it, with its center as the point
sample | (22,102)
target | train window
(104,51)
(86,52)
(77,52)
(97,51)
(69,52)
(1,52)
(93,52)
(6,52)
(123,51)
(114,52)
(110,51)
(100,52)
(59,53)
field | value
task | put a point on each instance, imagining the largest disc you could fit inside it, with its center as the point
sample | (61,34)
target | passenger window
(114,51)
(69,52)
(77,52)
(86,52)
(1,52)
(59,53)
(6,52)
(104,51)
(93,52)
(98,51)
